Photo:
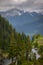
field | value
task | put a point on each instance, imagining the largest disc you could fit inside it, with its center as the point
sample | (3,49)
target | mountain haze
(28,22)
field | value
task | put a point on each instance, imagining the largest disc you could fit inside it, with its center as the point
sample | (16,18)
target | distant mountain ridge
(12,12)
(28,22)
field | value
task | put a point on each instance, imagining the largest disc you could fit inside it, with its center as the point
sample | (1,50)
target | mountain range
(28,22)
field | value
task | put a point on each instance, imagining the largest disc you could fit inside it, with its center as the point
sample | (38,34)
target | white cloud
(29,5)
(19,1)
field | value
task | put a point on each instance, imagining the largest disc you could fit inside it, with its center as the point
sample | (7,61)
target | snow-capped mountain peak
(12,12)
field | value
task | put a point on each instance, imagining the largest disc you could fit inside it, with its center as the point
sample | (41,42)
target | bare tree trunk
(12,59)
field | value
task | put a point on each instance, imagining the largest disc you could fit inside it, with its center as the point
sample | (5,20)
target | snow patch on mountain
(12,12)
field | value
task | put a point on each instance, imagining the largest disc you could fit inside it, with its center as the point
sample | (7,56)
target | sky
(26,5)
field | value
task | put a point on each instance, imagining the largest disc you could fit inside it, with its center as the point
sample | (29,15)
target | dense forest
(19,46)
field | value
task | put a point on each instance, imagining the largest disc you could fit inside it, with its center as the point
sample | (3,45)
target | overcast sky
(27,5)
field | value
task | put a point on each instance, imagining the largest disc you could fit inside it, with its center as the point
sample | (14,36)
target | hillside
(9,35)
(37,40)
(19,46)
(5,31)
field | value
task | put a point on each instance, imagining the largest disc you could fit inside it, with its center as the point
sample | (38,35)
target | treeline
(18,45)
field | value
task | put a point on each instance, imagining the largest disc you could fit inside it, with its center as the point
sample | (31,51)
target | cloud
(19,1)
(27,5)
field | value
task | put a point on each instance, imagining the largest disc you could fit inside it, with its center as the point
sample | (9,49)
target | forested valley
(18,46)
